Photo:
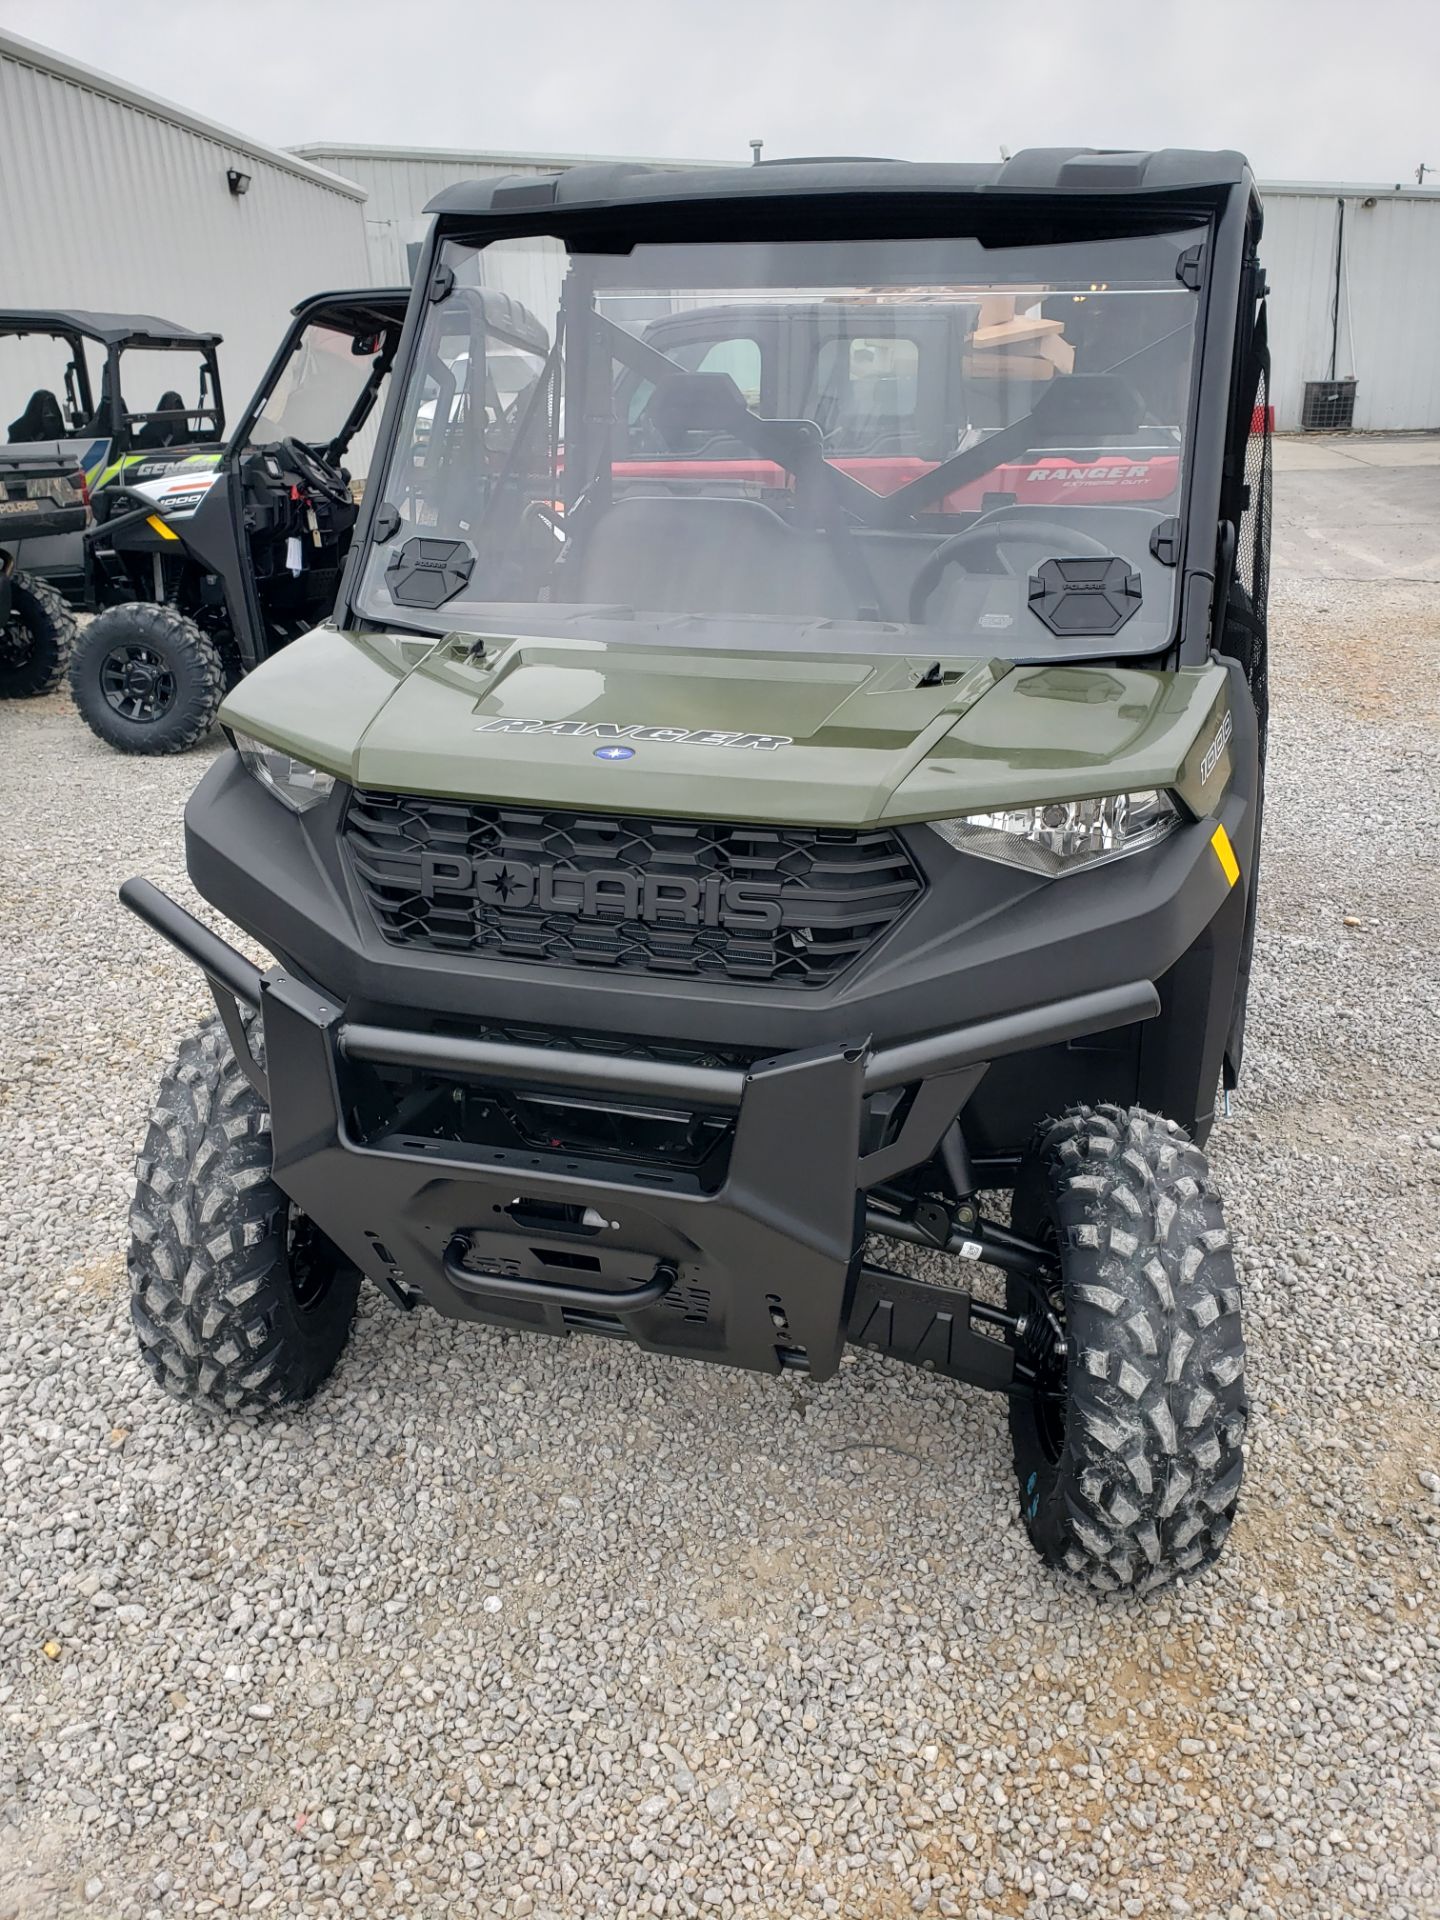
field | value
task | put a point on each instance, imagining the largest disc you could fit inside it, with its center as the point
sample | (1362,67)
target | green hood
(815,739)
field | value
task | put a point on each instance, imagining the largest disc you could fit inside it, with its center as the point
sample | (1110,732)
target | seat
(707,556)
(168,432)
(41,420)
(688,403)
(1085,410)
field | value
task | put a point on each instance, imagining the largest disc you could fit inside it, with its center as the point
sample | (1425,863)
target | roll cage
(382,309)
(114,334)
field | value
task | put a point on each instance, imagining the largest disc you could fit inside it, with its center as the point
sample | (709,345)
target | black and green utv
(157,406)
(781,782)
(201,571)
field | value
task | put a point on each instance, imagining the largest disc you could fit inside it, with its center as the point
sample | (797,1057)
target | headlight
(1066,835)
(296,782)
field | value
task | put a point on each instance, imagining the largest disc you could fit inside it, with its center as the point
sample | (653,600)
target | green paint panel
(1066,733)
(857,726)
(1209,762)
(867,742)
(316,697)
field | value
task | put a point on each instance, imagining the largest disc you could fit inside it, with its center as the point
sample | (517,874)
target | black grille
(784,905)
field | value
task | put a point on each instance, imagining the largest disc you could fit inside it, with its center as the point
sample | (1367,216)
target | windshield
(167,396)
(879,445)
(316,390)
(45,392)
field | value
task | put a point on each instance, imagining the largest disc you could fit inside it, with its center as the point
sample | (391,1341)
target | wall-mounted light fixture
(238,182)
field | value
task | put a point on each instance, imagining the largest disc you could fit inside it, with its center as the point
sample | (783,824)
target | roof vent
(830,160)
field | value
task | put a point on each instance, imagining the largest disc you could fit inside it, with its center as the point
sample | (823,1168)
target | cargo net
(1246,630)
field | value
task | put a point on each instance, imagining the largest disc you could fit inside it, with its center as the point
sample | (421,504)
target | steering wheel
(988,535)
(321,478)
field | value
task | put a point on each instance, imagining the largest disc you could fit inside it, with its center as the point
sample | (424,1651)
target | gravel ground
(510,1628)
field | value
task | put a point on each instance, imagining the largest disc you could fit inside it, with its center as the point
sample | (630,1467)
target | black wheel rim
(137,683)
(17,643)
(311,1260)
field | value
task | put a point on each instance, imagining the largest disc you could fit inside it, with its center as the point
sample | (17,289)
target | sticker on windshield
(661,736)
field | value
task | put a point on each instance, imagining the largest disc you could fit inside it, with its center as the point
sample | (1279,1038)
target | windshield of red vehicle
(872,444)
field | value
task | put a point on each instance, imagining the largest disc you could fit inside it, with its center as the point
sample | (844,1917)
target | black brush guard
(766,1271)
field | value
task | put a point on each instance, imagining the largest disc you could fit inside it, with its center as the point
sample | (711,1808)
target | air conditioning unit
(1328,407)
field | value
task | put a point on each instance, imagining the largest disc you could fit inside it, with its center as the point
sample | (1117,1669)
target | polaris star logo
(677,899)
(661,736)
(496,884)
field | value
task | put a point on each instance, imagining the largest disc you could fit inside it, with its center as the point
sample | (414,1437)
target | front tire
(36,639)
(241,1305)
(146,679)
(1128,1446)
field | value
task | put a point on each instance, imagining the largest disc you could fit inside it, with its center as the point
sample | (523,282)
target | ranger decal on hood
(663,736)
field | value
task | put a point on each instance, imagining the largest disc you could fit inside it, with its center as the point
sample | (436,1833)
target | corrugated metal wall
(1388,296)
(109,203)
(1298,249)
(399,185)
(1390,301)
(1388,336)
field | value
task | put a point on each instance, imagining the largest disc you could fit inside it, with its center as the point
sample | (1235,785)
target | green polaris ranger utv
(697,860)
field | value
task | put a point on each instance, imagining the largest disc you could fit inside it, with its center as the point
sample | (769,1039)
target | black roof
(1083,171)
(355,307)
(111,329)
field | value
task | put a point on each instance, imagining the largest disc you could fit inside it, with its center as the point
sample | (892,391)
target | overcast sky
(1310,89)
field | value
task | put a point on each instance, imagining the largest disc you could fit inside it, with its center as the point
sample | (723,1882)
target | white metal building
(115,199)
(400,181)
(1355,279)
(1387,247)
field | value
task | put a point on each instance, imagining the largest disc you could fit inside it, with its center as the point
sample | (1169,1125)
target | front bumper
(41,519)
(759,1266)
